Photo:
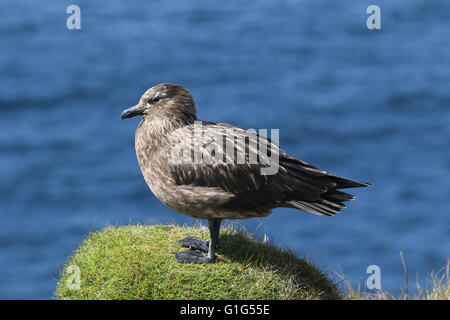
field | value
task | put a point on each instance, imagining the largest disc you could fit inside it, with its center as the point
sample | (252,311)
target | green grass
(440,285)
(437,288)
(137,262)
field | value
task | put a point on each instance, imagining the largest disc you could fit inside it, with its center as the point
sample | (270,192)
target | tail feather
(316,208)
(328,199)
(342,183)
(334,195)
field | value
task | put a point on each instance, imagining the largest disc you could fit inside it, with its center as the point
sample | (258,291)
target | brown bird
(217,171)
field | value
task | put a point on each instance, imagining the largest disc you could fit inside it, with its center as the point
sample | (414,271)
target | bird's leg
(214,227)
(195,255)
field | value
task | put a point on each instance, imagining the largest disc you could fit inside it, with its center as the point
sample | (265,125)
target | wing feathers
(297,183)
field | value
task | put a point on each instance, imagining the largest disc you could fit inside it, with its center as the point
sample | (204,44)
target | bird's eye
(155,99)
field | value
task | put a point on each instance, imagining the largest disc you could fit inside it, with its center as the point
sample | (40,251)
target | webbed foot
(194,243)
(192,256)
(200,251)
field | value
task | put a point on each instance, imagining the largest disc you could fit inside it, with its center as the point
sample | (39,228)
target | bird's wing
(211,154)
(223,156)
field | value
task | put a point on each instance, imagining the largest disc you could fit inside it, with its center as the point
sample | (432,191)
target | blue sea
(371,105)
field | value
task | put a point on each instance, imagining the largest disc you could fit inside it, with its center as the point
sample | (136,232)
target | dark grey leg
(214,227)
(195,255)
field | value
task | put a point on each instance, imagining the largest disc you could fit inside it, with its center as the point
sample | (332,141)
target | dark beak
(137,110)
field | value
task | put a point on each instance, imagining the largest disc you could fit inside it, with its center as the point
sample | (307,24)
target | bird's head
(166,101)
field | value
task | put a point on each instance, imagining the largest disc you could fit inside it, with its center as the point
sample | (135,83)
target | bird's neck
(156,131)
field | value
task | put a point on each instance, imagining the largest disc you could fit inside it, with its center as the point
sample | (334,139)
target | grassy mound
(137,262)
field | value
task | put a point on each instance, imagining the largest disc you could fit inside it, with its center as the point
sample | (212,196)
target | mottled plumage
(222,186)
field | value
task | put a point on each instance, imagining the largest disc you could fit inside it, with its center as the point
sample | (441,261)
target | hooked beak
(137,110)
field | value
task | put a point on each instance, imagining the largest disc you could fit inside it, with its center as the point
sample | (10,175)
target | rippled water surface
(370,105)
